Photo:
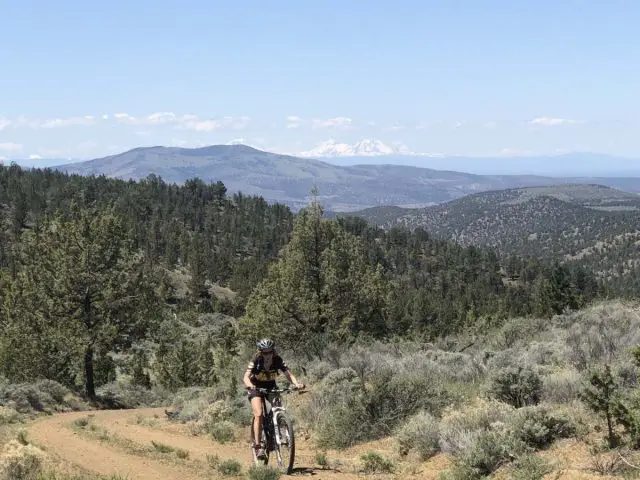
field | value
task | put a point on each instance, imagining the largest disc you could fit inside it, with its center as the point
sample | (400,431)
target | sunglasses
(266,352)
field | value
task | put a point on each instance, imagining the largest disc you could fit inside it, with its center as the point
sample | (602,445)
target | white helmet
(266,344)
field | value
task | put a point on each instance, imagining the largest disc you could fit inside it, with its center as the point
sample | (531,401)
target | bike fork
(276,427)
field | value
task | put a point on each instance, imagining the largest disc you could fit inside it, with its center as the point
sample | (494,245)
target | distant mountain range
(290,179)
(591,224)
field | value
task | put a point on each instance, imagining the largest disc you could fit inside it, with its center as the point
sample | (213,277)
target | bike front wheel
(286,447)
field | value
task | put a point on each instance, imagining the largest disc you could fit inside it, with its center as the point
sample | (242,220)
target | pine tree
(81,282)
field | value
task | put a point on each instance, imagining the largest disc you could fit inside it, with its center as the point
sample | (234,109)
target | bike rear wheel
(286,449)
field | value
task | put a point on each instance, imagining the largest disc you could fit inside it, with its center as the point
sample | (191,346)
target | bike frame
(272,406)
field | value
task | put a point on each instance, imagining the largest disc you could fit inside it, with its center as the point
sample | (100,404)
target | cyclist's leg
(256,406)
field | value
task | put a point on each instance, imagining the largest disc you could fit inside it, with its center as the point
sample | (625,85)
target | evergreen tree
(82,284)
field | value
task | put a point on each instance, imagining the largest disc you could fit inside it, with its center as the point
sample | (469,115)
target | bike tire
(287,459)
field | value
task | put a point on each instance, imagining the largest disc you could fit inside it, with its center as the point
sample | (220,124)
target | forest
(101,252)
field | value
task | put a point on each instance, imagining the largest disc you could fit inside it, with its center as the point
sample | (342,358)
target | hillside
(593,224)
(289,180)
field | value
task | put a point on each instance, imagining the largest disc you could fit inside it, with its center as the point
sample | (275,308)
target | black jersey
(262,377)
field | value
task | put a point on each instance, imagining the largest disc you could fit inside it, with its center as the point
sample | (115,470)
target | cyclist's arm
(247,377)
(292,378)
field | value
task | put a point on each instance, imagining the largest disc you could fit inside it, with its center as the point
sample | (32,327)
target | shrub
(599,334)
(221,432)
(344,410)
(9,416)
(125,395)
(263,473)
(41,396)
(459,472)
(336,411)
(421,434)
(562,386)
(516,386)
(530,467)
(373,462)
(538,426)
(20,462)
(487,450)
(458,427)
(230,468)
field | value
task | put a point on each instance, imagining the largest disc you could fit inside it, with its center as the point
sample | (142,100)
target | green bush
(344,410)
(9,416)
(221,432)
(488,450)
(530,467)
(125,395)
(421,434)
(373,462)
(41,396)
(516,386)
(263,473)
(538,426)
(457,427)
(561,386)
(230,468)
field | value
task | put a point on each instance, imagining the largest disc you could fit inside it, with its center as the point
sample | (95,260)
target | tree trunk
(88,372)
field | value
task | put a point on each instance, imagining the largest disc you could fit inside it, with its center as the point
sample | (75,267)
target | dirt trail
(112,457)
(55,436)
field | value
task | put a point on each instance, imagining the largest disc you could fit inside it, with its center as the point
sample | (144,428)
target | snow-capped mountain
(363,148)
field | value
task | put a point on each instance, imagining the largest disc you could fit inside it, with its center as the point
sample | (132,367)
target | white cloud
(35,157)
(293,121)
(4,122)
(341,123)
(549,122)
(67,122)
(191,122)
(491,124)
(125,118)
(23,121)
(11,147)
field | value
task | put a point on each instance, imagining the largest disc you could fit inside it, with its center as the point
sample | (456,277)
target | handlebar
(278,390)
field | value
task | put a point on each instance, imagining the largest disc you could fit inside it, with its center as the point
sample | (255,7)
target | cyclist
(262,372)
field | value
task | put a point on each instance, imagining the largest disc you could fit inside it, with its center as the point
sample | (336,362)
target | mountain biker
(261,373)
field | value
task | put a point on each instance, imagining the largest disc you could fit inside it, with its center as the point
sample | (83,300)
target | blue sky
(468,77)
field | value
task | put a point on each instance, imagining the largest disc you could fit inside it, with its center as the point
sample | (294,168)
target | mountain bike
(277,431)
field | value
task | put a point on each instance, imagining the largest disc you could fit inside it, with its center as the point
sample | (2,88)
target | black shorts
(251,394)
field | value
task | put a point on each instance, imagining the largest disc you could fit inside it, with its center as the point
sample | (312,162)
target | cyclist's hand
(300,386)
